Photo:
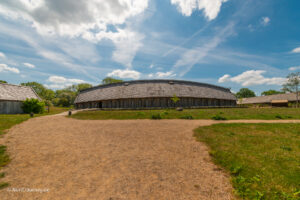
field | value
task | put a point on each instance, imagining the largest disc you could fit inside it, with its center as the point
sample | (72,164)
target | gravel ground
(55,157)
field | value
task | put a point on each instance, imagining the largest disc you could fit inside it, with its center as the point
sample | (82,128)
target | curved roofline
(156,81)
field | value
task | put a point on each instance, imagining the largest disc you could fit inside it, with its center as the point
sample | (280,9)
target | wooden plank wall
(157,103)
(10,107)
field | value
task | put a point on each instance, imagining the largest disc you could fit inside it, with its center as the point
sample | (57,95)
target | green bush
(187,117)
(278,117)
(33,105)
(218,117)
(156,116)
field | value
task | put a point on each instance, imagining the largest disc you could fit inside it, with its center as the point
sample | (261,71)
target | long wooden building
(143,94)
(12,97)
(272,100)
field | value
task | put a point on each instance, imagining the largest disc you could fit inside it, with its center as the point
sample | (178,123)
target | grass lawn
(6,122)
(263,159)
(228,113)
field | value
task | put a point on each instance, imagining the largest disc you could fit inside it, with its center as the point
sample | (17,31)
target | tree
(175,99)
(77,88)
(109,80)
(245,93)
(42,91)
(83,86)
(64,97)
(1,81)
(271,92)
(292,84)
(33,105)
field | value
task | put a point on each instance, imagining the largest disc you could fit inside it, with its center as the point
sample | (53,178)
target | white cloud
(5,68)
(193,56)
(127,44)
(168,74)
(165,74)
(2,55)
(59,82)
(224,78)
(125,74)
(29,65)
(296,50)
(73,18)
(87,19)
(211,8)
(294,68)
(265,21)
(252,77)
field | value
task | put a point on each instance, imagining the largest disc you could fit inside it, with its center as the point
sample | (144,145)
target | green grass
(226,113)
(263,159)
(55,110)
(6,122)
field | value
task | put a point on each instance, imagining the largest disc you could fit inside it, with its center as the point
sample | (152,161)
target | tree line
(292,85)
(64,97)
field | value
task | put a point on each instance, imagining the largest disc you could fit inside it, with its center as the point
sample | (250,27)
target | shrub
(156,116)
(33,105)
(278,117)
(186,117)
(218,117)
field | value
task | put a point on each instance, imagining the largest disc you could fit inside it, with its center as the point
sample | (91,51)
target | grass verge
(263,159)
(220,113)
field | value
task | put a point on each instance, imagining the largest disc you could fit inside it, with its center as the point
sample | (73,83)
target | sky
(230,43)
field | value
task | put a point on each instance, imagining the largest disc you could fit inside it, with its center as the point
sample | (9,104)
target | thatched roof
(269,99)
(11,92)
(153,88)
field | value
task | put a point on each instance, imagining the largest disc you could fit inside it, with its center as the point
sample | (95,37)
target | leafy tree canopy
(271,92)
(77,88)
(64,97)
(1,81)
(109,80)
(33,105)
(245,93)
(175,99)
(42,91)
(292,84)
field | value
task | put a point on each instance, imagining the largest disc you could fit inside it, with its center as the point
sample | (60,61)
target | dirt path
(111,159)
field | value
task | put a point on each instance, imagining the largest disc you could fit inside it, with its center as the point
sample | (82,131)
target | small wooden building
(148,94)
(12,96)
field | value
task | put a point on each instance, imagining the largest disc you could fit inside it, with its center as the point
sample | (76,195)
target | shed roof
(154,88)
(269,99)
(11,92)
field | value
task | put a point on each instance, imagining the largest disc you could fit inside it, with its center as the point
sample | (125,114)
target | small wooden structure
(143,94)
(12,96)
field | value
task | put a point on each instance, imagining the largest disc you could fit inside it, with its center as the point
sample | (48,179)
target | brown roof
(16,92)
(154,88)
(269,99)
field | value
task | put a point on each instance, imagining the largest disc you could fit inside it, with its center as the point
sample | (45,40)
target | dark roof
(16,92)
(269,99)
(154,88)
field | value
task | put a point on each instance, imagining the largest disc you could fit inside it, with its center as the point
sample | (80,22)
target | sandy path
(111,159)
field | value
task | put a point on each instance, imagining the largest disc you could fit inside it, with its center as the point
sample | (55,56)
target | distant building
(155,94)
(12,97)
(273,100)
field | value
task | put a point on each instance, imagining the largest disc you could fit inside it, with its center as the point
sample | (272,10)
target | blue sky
(232,43)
